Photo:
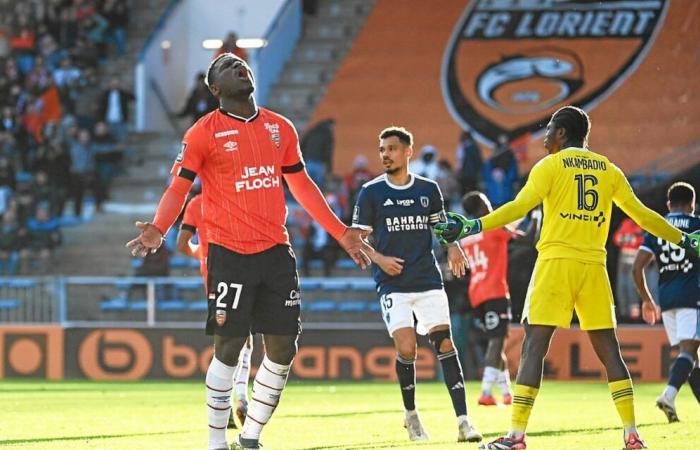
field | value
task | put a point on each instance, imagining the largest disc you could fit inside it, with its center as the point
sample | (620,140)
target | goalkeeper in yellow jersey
(577,188)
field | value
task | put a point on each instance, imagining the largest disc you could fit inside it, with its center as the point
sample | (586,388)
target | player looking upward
(489,295)
(578,188)
(679,295)
(192,223)
(240,153)
(400,208)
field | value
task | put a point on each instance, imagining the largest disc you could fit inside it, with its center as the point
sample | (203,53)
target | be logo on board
(511,63)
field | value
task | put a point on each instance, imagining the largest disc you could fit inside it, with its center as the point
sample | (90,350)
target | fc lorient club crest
(511,63)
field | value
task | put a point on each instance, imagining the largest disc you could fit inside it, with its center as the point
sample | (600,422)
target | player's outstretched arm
(652,221)
(169,208)
(650,311)
(310,198)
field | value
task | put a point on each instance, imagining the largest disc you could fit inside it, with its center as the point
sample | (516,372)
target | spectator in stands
(44,236)
(470,163)
(87,99)
(501,174)
(7,173)
(117,14)
(447,180)
(114,109)
(67,73)
(52,158)
(353,181)
(317,146)
(108,157)
(318,244)
(230,45)
(628,237)
(427,165)
(44,193)
(13,238)
(82,168)
(200,101)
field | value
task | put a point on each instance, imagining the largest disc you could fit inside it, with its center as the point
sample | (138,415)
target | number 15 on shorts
(227,297)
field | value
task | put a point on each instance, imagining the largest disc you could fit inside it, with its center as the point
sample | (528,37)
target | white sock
(219,387)
(489,378)
(242,374)
(504,382)
(670,393)
(267,389)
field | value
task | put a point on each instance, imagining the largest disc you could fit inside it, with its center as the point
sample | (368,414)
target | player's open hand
(457,261)
(691,242)
(650,312)
(355,244)
(148,241)
(391,265)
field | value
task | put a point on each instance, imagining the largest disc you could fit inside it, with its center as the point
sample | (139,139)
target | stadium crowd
(61,132)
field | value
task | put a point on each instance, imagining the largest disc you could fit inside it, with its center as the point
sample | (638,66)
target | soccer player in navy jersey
(399,208)
(679,295)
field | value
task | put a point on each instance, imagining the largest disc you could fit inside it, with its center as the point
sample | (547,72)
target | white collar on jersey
(242,119)
(405,186)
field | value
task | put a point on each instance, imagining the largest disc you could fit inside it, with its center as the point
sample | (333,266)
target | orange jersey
(488,262)
(192,221)
(240,163)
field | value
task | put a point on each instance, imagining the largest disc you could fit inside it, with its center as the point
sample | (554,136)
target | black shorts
(494,317)
(256,293)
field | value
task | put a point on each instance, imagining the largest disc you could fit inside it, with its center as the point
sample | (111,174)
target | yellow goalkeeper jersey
(578,188)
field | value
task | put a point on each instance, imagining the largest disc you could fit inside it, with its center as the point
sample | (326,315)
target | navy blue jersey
(401,218)
(679,271)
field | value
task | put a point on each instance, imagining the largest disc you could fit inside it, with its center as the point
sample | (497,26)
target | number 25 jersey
(578,188)
(679,272)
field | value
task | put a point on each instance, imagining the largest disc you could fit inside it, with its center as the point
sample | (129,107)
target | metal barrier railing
(173,302)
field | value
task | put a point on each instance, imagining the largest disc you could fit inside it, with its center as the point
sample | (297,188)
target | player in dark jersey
(679,295)
(489,295)
(240,153)
(400,208)
(192,222)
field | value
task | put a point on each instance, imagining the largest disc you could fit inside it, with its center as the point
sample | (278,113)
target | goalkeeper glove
(691,242)
(456,228)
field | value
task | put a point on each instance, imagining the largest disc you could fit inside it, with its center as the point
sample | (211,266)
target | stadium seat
(353,306)
(9,303)
(332,284)
(114,304)
(20,283)
(309,284)
(137,305)
(171,305)
(200,305)
(374,306)
(320,306)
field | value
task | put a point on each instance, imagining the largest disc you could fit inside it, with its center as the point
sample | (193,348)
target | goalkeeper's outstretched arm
(526,200)
(651,221)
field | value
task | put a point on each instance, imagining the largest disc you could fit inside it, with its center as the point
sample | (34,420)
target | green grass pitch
(171,415)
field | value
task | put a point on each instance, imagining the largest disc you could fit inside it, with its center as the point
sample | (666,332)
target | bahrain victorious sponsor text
(511,63)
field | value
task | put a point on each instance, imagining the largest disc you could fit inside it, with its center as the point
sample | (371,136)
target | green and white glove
(456,228)
(691,242)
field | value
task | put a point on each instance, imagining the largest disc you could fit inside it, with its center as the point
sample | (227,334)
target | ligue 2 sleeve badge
(510,64)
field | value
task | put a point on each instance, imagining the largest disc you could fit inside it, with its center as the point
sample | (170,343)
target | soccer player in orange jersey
(192,223)
(489,295)
(240,153)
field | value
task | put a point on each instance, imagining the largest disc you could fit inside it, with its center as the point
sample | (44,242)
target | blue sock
(694,382)
(680,370)
(406,371)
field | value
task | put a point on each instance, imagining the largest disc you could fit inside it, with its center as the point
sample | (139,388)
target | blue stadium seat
(136,263)
(345,263)
(363,284)
(171,305)
(9,303)
(320,305)
(333,284)
(307,284)
(200,305)
(374,306)
(18,283)
(353,306)
(24,177)
(187,284)
(183,262)
(114,304)
(70,221)
(137,305)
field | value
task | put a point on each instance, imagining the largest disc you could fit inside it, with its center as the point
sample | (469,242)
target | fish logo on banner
(511,63)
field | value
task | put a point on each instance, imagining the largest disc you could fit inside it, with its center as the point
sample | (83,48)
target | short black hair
(473,202)
(403,134)
(208,78)
(681,194)
(576,123)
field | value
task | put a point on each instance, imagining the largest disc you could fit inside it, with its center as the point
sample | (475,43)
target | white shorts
(682,324)
(430,307)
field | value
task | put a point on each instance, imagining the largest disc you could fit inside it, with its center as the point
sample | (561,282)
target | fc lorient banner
(53,352)
(510,63)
